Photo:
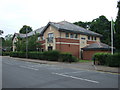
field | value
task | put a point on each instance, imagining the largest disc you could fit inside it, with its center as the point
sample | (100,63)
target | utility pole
(111,37)
(26,43)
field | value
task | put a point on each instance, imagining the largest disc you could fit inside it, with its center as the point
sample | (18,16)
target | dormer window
(71,35)
(67,35)
(88,37)
(76,35)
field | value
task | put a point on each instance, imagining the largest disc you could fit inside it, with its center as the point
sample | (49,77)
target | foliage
(117,29)
(107,59)
(1,32)
(100,25)
(5,53)
(24,28)
(32,43)
(7,42)
(67,57)
(47,55)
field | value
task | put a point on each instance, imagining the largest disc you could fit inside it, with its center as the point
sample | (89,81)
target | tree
(1,32)
(32,43)
(100,25)
(24,28)
(7,42)
(117,29)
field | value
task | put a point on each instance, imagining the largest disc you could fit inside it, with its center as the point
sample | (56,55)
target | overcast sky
(37,13)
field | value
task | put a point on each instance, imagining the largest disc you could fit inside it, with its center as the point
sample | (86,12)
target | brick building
(67,37)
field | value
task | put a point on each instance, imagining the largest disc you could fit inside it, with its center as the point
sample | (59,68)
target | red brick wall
(73,49)
(87,55)
(67,40)
(43,41)
(90,42)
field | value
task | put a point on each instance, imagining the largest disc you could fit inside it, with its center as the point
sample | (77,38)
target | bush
(14,54)
(5,53)
(113,60)
(67,57)
(47,55)
(51,55)
(107,59)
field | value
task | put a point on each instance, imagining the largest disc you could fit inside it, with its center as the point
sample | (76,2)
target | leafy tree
(24,28)
(100,25)
(1,32)
(32,43)
(117,29)
(7,42)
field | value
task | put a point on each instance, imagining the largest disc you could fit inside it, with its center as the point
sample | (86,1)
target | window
(88,37)
(71,35)
(50,38)
(76,36)
(82,38)
(92,37)
(67,34)
(95,38)
(50,35)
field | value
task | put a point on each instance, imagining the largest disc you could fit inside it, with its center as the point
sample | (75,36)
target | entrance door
(50,48)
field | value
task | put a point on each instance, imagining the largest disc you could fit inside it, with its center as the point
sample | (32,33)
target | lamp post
(26,43)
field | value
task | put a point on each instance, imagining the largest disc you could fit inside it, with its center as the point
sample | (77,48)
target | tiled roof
(97,45)
(69,27)
(30,33)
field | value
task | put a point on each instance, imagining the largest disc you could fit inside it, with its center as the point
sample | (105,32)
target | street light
(26,43)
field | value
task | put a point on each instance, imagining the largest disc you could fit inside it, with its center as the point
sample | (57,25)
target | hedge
(107,59)
(47,55)
(5,53)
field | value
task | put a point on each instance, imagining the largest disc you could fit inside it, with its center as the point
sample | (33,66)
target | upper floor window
(88,37)
(82,38)
(95,38)
(50,35)
(67,34)
(76,35)
(71,35)
(92,37)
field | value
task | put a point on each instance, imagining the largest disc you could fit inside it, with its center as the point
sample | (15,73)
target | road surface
(21,74)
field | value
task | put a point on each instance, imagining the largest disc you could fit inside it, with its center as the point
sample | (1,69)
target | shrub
(113,60)
(107,59)
(14,54)
(67,57)
(51,55)
(5,53)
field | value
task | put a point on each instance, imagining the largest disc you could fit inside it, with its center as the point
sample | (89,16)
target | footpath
(78,65)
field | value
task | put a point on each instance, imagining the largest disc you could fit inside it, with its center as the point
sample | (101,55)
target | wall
(87,55)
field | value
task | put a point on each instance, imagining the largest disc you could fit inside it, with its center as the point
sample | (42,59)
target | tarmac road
(21,74)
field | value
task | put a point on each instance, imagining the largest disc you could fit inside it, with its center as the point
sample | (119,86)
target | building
(67,37)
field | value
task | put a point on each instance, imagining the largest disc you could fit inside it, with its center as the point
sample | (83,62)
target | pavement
(79,65)
(23,73)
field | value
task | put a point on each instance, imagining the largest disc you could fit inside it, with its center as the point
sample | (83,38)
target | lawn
(85,60)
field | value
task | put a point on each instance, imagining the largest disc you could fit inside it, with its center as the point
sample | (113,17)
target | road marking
(76,78)
(72,72)
(29,68)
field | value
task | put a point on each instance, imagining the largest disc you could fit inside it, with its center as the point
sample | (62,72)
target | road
(21,74)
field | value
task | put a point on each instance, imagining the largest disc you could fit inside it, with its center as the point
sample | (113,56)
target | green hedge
(47,55)
(5,53)
(107,59)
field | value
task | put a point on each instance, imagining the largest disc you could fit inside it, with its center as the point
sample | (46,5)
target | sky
(37,13)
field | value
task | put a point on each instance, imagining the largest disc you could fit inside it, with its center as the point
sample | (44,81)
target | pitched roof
(39,30)
(69,27)
(97,46)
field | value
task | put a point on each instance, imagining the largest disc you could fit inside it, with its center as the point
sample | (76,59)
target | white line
(76,78)
(73,72)
(29,68)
